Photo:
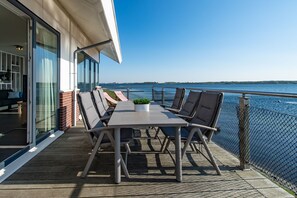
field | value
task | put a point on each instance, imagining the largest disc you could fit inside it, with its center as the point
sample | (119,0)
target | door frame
(31,104)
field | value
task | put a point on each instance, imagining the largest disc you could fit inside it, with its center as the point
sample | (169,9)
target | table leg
(117,155)
(178,166)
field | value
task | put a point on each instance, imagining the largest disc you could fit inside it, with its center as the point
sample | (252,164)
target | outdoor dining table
(124,116)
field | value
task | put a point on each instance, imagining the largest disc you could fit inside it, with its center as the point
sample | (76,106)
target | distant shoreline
(221,82)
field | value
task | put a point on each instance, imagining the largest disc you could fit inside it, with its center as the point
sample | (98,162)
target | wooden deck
(55,172)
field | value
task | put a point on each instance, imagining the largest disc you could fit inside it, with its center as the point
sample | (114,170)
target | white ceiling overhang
(97,19)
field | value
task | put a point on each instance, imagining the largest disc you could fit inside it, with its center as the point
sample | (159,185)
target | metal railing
(260,128)
(131,93)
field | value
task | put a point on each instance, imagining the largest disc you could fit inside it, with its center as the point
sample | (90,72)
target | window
(87,72)
(92,74)
(81,72)
(97,74)
(46,79)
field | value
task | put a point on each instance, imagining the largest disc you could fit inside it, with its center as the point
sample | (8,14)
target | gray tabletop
(124,116)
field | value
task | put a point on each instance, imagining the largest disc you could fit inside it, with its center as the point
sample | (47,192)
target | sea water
(284,105)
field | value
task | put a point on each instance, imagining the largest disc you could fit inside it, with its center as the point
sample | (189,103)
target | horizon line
(210,82)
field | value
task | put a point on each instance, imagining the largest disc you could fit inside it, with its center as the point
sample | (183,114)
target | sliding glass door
(14,128)
(46,71)
(29,80)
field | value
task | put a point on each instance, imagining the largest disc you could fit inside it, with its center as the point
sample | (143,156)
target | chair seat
(169,132)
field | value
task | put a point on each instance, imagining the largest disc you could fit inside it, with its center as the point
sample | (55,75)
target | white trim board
(18,163)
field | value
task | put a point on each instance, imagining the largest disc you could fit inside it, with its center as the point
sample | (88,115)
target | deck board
(55,172)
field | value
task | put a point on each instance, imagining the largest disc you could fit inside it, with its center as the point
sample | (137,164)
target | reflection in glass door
(46,60)
(13,87)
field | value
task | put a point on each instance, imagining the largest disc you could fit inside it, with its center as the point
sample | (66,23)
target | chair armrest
(184,116)
(202,126)
(164,106)
(173,110)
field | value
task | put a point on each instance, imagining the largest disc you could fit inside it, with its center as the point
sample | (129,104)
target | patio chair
(201,127)
(104,115)
(100,135)
(178,100)
(188,109)
(108,108)
(111,101)
(120,96)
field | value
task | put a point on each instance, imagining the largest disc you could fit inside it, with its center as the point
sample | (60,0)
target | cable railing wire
(270,131)
(272,134)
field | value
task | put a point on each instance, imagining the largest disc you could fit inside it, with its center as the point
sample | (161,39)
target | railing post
(153,94)
(128,93)
(244,132)
(163,96)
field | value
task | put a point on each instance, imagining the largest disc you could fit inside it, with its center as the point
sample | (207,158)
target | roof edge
(110,18)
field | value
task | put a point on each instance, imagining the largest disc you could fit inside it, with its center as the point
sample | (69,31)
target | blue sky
(204,40)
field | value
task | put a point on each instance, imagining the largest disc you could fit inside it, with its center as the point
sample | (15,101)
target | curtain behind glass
(46,79)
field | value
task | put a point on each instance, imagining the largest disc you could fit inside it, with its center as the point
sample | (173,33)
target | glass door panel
(13,103)
(46,59)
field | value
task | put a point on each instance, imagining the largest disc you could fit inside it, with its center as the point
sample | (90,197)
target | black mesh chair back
(208,111)
(178,98)
(103,99)
(189,108)
(88,112)
(99,104)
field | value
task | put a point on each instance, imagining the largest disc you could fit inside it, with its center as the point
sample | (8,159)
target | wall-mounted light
(19,48)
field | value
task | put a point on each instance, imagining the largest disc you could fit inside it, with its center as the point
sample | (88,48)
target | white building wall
(71,36)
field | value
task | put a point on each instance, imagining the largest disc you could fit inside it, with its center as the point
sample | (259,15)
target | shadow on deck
(55,172)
